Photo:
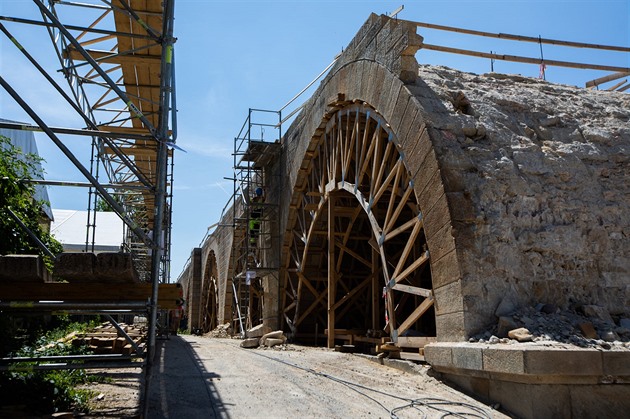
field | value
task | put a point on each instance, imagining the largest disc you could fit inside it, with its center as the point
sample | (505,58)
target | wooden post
(332,277)
(376,293)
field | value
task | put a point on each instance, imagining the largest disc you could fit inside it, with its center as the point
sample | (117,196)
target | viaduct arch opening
(210,297)
(358,258)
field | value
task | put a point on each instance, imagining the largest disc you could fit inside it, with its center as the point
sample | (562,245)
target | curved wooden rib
(356,177)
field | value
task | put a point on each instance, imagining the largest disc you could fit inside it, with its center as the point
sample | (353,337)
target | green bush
(48,391)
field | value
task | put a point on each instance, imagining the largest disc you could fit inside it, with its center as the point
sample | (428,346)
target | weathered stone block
(441,242)
(115,267)
(451,327)
(503,360)
(445,269)
(616,364)
(258,331)
(469,357)
(75,267)
(438,355)
(448,298)
(23,268)
(562,361)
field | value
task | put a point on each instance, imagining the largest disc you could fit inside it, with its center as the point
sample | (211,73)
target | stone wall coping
(531,362)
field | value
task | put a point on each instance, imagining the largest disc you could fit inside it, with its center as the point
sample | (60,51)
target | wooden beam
(354,254)
(415,265)
(527,60)
(353,292)
(413,290)
(523,38)
(89,292)
(332,280)
(419,311)
(108,57)
(376,290)
(408,247)
(415,341)
(605,79)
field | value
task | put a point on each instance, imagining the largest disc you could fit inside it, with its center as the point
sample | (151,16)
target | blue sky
(233,55)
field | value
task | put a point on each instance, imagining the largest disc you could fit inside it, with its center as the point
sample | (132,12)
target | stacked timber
(106,339)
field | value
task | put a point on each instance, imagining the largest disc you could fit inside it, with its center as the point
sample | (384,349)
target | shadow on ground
(181,387)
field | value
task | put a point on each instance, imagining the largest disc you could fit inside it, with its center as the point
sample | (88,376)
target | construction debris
(268,340)
(223,331)
(273,338)
(258,331)
(250,343)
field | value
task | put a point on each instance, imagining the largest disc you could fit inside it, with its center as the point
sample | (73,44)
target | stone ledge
(531,362)
(535,381)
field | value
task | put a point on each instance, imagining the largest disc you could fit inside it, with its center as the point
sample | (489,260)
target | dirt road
(201,377)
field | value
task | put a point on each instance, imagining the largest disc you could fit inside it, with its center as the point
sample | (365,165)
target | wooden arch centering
(209,295)
(358,234)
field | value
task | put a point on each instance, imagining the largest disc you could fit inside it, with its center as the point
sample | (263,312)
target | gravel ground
(202,377)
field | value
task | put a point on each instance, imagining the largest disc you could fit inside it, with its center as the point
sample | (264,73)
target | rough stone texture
(258,331)
(543,167)
(23,268)
(115,267)
(75,267)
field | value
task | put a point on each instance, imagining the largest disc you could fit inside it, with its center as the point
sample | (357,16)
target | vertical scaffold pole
(166,86)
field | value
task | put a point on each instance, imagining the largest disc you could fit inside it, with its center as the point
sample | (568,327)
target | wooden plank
(354,291)
(332,280)
(527,60)
(419,311)
(109,58)
(415,341)
(90,292)
(408,247)
(415,265)
(412,290)
(411,356)
(605,79)
(522,38)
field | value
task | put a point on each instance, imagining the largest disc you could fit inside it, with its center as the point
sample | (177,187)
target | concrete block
(75,267)
(467,357)
(115,267)
(23,268)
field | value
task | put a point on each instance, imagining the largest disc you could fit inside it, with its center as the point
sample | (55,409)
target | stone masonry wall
(538,179)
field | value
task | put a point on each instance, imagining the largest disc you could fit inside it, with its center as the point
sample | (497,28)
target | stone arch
(209,294)
(359,194)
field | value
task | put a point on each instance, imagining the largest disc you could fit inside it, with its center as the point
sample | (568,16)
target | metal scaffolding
(255,216)
(118,60)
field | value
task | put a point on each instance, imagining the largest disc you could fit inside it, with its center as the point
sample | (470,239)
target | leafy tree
(17,194)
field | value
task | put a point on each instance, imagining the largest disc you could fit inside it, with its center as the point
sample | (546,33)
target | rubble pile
(585,326)
(221,331)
